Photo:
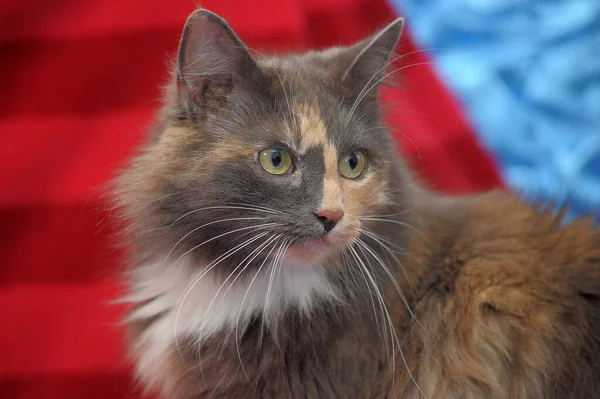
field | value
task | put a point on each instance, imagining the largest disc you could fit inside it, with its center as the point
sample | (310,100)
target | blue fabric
(528,75)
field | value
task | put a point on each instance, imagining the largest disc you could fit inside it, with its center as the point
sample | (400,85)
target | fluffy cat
(282,249)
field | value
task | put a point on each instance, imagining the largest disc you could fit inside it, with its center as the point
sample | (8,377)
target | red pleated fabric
(80,82)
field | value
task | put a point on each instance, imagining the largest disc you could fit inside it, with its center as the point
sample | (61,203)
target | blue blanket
(528,76)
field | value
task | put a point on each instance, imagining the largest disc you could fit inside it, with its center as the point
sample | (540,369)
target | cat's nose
(329,218)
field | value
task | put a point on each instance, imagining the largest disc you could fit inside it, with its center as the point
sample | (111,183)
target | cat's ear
(214,67)
(363,65)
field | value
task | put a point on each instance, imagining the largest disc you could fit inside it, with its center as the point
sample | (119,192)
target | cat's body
(254,281)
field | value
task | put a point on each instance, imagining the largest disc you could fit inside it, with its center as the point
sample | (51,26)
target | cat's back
(508,305)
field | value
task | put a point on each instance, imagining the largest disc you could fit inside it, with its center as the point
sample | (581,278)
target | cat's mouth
(317,242)
(311,251)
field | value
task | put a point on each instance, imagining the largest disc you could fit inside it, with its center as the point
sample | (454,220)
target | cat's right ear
(214,67)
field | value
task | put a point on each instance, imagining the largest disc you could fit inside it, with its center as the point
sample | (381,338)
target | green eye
(353,165)
(276,161)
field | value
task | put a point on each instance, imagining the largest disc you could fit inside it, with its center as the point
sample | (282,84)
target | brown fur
(507,304)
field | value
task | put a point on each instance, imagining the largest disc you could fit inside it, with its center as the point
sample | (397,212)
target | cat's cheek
(366,197)
(383,198)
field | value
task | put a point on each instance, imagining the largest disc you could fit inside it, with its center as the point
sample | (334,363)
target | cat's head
(255,154)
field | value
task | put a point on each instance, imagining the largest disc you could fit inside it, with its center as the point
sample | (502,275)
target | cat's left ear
(363,65)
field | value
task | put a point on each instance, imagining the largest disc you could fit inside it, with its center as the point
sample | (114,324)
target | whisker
(350,271)
(392,278)
(384,215)
(287,99)
(371,282)
(243,264)
(383,242)
(381,330)
(273,264)
(374,219)
(202,226)
(392,329)
(379,215)
(393,110)
(244,208)
(265,225)
(395,130)
(259,207)
(237,324)
(408,138)
(363,95)
(277,260)
(201,274)
(269,287)
(393,60)
(240,311)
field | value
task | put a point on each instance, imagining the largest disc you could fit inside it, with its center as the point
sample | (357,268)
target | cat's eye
(353,165)
(276,161)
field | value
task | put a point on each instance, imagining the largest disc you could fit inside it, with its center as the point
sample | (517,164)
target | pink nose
(329,218)
(330,214)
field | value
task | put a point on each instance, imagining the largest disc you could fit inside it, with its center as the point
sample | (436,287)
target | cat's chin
(312,252)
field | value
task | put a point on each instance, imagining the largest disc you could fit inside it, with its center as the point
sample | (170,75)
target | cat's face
(262,157)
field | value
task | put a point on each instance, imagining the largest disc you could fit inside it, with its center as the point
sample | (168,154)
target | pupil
(276,158)
(353,161)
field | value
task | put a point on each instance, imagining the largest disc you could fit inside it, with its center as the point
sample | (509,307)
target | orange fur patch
(332,181)
(312,128)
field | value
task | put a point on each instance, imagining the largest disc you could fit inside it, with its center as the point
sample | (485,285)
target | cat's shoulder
(515,295)
(519,258)
(510,241)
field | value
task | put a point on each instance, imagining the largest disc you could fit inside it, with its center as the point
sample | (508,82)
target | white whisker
(363,95)
(382,331)
(202,226)
(392,329)
(243,264)
(375,219)
(384,243)
(272,275)
(265,225)
(239,314)
(274,264)
(202,273)
(392,278)
(259,207)
(359,98)
(243,208)
(237,324)
(364,265)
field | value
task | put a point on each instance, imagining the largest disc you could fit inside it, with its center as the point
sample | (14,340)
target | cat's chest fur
(260,336)
(330,354)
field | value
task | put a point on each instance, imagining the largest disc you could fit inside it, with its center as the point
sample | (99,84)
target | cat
(282,249)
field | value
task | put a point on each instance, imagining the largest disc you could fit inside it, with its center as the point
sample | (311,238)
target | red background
(80,81)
